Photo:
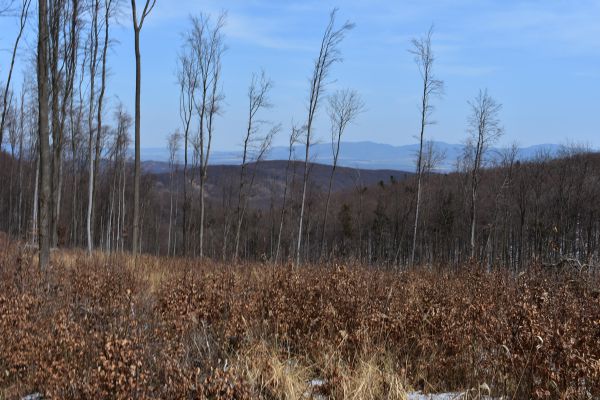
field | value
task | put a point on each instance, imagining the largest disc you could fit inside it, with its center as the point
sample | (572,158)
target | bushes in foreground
(102,327)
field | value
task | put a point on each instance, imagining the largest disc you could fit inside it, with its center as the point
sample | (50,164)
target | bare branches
(484,125)
(173,144)
(199,78)
(432,87)
(5,98)
(329,54)
(484,129)
(343,108)
(432,157)
(258,99)
(148,6)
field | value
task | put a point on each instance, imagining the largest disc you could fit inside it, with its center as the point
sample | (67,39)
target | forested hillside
(544,210)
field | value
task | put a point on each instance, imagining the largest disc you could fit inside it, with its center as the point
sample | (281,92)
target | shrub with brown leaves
(101,327)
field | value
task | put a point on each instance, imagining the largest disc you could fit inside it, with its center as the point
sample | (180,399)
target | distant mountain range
(362,155)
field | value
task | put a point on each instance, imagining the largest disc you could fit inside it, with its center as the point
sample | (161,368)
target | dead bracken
(100,327)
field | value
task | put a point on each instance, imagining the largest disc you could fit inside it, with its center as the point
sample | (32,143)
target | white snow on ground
(315,384)
(441,396)
(34,396)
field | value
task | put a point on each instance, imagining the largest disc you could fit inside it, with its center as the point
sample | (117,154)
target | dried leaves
(94,329)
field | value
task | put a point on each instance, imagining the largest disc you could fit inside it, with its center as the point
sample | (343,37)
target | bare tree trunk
(257,99)
(55,17)
(327,206)
(344,106)
(137,167)
(93,62)
(98,150)
(485,129)
(138,82)
(202,199)
(431,87)
(75,126)
(20,162)
(473,217)
(295,134)
(328,55)
(173,146)
(36,201)
(123,212)
(187,76)
(44,145)
(170,215)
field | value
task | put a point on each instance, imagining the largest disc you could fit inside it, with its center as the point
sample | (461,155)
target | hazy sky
(540,59)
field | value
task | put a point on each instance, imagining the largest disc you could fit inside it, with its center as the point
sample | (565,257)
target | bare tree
(432,157)
(64,44)
(56,16)
(343,108)
(13,138)
(484,129)
(117,155)
(5,98)
(76,122)
(173,143)
(258,99)
(93,44)
(108,10)
(187,76)
(137,27)
(43,132)
(21,140)
(207,43)
(294,137)
(328,55)
(432,87)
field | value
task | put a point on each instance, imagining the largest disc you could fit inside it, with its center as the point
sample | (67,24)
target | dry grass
(108,327)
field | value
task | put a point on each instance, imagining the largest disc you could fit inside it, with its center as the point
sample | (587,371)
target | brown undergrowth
(102,327)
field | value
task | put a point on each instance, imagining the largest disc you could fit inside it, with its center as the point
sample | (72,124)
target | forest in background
(69,178)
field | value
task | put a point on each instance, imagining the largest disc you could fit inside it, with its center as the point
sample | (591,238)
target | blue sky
(540,59)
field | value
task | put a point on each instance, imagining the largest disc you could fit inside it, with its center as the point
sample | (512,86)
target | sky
(539,58)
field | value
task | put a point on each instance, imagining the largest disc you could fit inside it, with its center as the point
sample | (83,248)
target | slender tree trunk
(283,206)
(202,200)
(424,107)
(170,211)
(55,24)
(44,145)
(98,146)
(36,201)
(327,207)
(20,165)
(93,61)
(241,198)
(185,196)
(473,215)
(304,184)
(137,167)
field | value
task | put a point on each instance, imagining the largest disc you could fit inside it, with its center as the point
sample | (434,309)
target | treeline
(539,211)
(68,178)
(543,210)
